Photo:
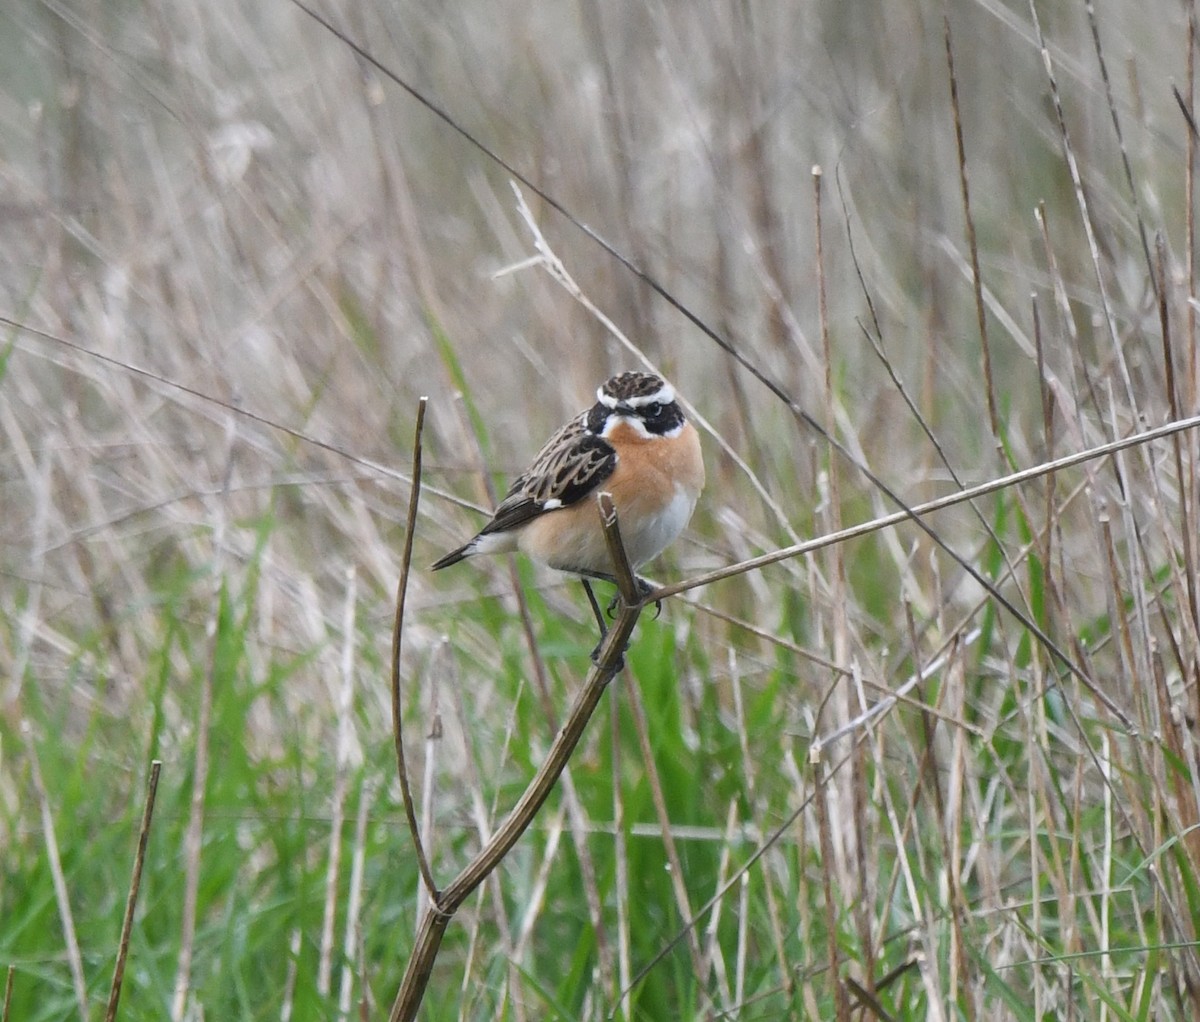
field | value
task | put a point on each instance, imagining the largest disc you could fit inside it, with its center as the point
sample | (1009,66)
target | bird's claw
(644,589)
(620,663)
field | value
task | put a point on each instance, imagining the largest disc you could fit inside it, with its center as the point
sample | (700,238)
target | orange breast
(654,487)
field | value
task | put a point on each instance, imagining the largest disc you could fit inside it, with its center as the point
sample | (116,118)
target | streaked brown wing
(571,465)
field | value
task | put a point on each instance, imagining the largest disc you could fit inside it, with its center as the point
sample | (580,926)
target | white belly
(655,533)
(573,539)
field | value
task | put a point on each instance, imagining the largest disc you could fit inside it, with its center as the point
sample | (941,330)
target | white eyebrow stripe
(663,396)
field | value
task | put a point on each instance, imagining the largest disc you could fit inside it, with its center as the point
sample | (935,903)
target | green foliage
(238,258)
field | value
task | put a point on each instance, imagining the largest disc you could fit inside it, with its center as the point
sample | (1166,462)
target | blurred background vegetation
(232,256)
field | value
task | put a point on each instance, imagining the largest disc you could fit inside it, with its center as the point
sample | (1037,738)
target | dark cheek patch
(670,418)
(596,418)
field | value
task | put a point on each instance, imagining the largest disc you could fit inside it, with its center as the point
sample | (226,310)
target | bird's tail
(453,557)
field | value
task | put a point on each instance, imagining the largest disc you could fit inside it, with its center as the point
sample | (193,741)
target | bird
(636,443)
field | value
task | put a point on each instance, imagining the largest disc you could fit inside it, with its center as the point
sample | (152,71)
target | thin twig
(484,815)
(607,663)
(1187,113)
(432,721)
(354,906)
(1189,485)
(621,868)
(410,812)
(875,339)
(659,799)
(1159,284)
(135,884)
(915,513)
(822,782)
(437,918)
(1189,199)
(8,989)
(341,784)
(473,427)
(626,584)
(972,244)
(62,896)
(918,510)
(193,842)
(1065,398)
(823,301)
(962,986)
(1185,505)
(771,840)
(713,963)
(1085,211)
(230,406)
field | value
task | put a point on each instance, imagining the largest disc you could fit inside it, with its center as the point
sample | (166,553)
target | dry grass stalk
(135,884)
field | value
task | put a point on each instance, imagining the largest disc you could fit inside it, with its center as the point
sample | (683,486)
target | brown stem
(608,661)
(135,884)
(410,811)
(972,243)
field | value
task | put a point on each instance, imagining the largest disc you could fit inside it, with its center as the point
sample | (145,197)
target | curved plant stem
(410,811)
(608,660)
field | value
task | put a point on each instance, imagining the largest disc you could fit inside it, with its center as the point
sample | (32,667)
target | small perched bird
(633,442)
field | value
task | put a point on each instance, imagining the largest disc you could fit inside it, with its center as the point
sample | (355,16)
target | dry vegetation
(931,773)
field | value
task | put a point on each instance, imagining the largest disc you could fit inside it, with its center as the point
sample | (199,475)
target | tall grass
(915,775)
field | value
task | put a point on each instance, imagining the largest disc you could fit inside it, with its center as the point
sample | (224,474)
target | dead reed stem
(135,884)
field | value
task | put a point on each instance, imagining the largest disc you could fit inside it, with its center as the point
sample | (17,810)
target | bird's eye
(652,411)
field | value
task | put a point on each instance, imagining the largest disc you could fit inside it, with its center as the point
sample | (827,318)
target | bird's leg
(644,589)
(595,604)
(586,576)
(587,588)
